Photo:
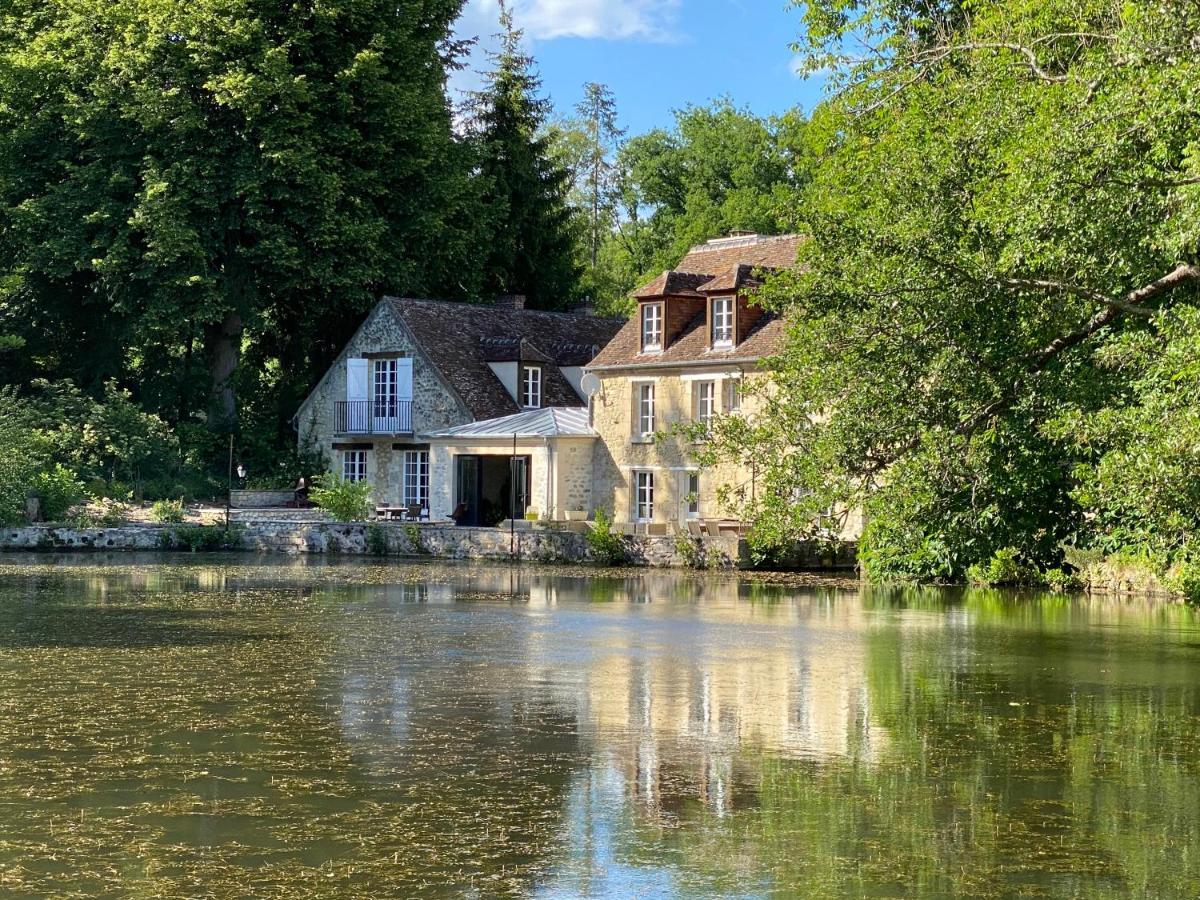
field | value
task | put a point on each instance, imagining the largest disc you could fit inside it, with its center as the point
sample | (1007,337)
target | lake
(236,726)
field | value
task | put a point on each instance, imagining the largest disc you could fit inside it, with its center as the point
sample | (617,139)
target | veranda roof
(532,423)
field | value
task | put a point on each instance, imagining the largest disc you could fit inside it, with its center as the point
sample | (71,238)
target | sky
(655,55)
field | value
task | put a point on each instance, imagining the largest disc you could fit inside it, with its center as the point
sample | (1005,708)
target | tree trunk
(223,341)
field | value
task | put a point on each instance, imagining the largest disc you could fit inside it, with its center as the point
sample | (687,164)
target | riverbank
(402,539)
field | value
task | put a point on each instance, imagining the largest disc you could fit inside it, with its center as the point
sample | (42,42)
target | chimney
(510,301)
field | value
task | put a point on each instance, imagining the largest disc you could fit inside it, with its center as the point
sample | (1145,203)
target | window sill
(642,439)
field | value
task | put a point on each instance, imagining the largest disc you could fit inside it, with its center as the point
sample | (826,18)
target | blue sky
(656,55)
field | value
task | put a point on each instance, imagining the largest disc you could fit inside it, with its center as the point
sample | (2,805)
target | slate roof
(459,339)
(720,265)
(546,422)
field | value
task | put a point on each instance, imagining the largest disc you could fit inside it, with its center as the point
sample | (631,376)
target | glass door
(385,405)
(466,490)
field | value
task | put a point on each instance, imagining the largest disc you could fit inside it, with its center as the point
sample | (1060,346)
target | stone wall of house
(573,490)
(618,453)
(435,407)
(442,471)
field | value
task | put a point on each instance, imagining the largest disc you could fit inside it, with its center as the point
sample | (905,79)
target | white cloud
(545,20)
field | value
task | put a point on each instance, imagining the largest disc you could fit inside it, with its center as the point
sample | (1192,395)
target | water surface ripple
(199,727)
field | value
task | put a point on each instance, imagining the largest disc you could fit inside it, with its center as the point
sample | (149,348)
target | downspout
(551,500)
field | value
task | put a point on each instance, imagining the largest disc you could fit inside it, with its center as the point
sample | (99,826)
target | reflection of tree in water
(1034,763)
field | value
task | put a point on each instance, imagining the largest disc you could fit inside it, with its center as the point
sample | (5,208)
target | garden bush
(167,511)
(605,543)
(346,501)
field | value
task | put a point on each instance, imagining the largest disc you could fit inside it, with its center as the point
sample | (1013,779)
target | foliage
(58,490)
(606,545)
(346,501)
(523,188)
(167,511)
(1002,200)
(1006,567)
(182,183)
(206,538)
(101,512)
(719,169)
(377,540)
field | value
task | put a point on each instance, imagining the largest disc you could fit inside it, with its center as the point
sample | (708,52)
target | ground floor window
(354,465)
(643,496)
(692,494)
(416,478)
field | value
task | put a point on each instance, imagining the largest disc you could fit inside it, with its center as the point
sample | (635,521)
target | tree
(525,219)
(598,114)
(1004,193)
(185,183)
(719,169)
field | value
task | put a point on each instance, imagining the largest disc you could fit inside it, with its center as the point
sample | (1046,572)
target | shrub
(1005,567)
(377,539)
(167,511)
(207,538)
(606,545)
(691,550)
(346,501)
(59,490)
(100,513)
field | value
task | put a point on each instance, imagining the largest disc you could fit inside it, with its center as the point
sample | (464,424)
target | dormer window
(652,327)
(531,387)
(722,321)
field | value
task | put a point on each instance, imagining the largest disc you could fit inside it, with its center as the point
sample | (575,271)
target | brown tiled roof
(765,339)
(751,250)
(721,265)
(673,283)
(460,338)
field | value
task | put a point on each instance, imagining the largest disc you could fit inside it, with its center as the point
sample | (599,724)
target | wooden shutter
(404,378)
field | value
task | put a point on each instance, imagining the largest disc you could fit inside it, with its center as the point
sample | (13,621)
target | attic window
(652,326)
(722,322)
(531,387)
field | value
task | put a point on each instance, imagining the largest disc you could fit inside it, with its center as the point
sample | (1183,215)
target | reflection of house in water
(680,716)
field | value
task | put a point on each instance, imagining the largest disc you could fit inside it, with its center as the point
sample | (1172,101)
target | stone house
(685,356)
(416,368)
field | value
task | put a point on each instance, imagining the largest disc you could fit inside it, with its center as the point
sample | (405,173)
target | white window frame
(354,465)
(645,409)
(415,481)
(705,398)
(733,394)
(531,387)
(691,495)
(722,316)
(643,495)
(652,327)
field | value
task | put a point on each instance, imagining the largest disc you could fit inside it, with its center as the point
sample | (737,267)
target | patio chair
(695,529)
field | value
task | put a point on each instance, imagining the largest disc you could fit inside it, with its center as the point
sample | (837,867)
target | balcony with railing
(373,416)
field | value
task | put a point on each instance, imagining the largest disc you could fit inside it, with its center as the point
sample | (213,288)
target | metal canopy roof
(548,422)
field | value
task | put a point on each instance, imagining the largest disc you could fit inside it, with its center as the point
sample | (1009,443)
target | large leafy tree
(720,168)
(524,217)
(183,182)
(1004,193)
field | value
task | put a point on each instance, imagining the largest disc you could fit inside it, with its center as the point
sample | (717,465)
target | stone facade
(441,541)
(560,475)
(434,407)
(670,456)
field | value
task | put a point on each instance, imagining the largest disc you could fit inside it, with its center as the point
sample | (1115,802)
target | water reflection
(294,729)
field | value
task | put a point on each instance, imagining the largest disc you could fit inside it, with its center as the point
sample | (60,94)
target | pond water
(229,727)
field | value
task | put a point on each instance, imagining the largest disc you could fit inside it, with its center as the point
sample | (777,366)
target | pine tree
(526,220)
(598,114)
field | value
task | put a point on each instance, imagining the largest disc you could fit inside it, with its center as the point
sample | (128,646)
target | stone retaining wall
(403,539)
(260,499)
